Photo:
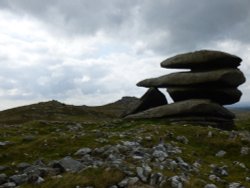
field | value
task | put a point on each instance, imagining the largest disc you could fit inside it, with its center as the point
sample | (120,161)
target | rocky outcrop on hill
(213,80)
(152,98)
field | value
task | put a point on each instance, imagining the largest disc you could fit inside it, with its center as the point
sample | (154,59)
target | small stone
(4,143)
(182,139)
(113,186)
(210,186)
(128,181)
(139,171)
(176,182)
(19,179)
(248,179)
(161,155)
(148,138)
(68,164)
(156,179)
(39,180)
(133,180)
(220,153)
(147,170)
(196,164)
(210,134)
(184,166)
(130,144)
(9,185)
(235,185)
(143,172)
(220,171)
(173,165)
(123,183)
(83,151)
(214,178)
(242,165)
(244,150)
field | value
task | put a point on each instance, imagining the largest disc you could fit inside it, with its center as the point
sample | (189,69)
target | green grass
(54,140)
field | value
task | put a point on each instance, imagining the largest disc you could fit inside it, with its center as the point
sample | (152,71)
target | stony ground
(123,154)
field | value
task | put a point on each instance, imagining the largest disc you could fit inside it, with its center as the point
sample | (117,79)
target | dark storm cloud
(194,23)
(187,24)
(77,16)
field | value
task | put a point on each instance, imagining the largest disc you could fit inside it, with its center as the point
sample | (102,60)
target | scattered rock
(5,143)
(210,186)
(130,144)
(220,153)
(143,172)
(220,171)
(19,179)
(235,185)
(83,151)
(68,164)
(214,178)
(182,139)
(176,182)
(8,185)
(128,181)
(237,163)
(156,179)
(244,150)
(209,134)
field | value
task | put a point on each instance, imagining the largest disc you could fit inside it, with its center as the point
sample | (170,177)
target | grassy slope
(55,139)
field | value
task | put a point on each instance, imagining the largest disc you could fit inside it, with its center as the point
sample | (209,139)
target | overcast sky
(94,52)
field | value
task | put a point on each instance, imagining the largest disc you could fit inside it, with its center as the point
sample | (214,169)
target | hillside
(56,111)
(51,144)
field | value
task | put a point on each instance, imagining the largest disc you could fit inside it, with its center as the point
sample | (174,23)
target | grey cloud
(76,17)
(190,24)
(57,83)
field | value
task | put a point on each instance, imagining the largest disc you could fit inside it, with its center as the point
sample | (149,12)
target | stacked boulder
(200,92)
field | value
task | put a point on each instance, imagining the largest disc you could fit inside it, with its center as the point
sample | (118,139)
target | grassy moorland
(51,131)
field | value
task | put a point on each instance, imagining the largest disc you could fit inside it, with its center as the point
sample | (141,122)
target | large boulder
(222,77)
(192,107)
(219,95)
(203,59)
(152,98)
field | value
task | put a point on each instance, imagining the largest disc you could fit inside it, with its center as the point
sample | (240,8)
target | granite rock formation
(220,77)
(203,59)
(199,93)
(152,98)
(220,95)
